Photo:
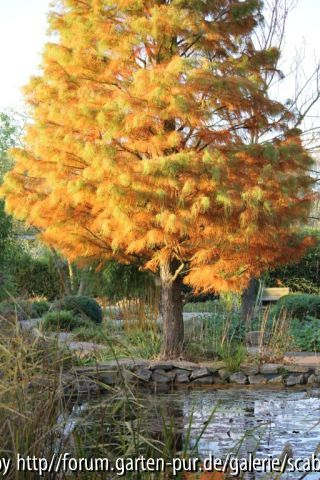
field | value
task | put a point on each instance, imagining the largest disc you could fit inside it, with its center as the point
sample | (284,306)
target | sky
(23,26)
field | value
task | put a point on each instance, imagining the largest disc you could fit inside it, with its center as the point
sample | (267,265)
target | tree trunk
(249,297)
(171,310)
(83,282)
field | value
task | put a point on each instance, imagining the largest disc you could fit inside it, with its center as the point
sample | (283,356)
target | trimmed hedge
(81,305)
(298,306)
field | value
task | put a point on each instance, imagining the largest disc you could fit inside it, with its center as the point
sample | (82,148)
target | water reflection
(259,422)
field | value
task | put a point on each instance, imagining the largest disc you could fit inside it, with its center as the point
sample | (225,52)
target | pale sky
(23,25)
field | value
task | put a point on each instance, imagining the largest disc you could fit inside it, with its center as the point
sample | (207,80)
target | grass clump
(233,355)
(205,336)
(64,320)
(21,309)
(91,333)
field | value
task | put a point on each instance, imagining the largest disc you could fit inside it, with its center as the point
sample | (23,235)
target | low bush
(64,320)
(81,305)
(39,308)
(298,306)
(36,276)
(306,335)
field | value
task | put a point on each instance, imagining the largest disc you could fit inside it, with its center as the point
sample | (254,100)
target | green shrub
(298,306)
(306,335)
(64,320)
(81,305)
(39,308)
(35,277)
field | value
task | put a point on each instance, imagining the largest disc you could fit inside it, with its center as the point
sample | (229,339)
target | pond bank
(175,373)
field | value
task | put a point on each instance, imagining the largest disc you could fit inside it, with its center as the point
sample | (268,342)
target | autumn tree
(142,146)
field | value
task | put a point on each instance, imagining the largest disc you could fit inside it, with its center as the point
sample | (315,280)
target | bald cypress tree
(142,146)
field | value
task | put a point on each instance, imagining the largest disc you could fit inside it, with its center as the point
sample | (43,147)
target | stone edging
(175,373)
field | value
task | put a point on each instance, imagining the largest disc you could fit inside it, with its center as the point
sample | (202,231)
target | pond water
(240,421)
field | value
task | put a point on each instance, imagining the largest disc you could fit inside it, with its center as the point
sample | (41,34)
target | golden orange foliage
(153,136)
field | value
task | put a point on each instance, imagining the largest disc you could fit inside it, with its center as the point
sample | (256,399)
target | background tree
(142,146)
(8,139)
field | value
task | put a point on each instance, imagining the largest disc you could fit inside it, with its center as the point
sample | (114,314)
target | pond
(237,421)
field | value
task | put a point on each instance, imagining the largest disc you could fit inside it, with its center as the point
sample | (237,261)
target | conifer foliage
(154,137)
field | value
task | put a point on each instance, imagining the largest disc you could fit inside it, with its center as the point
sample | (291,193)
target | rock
(81,386)
(64,337)
(317,372)
(166,366)
(220,381)
(257,338)
(83,349)
(239,378)
(162,376)
(224,374)
(184,365)
(297,368)
(293,380)
(199,373)
(123,364)
(128,364)
(143,374)
(216,366)
(268,368)
(312,379)
(29,324)
(207,380)
(182,376)
(277,379)
(257,380)
(249,369)
(109,378)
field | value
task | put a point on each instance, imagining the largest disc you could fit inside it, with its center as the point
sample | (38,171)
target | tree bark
(83,282)
(249,297)
(171,310)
